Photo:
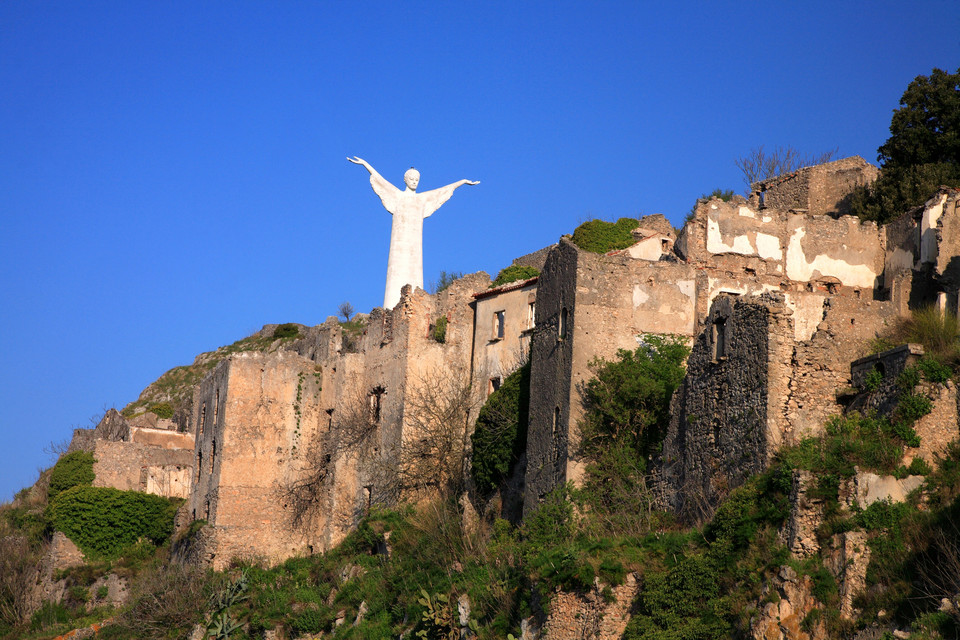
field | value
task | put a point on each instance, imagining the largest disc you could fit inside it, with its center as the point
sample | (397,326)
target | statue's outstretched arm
(437,197)
(387,193)
(364,163)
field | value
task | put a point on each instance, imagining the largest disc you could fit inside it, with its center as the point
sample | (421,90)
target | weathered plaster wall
(133,466)
(496,356)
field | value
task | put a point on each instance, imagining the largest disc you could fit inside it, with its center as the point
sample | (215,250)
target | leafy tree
(760,165)
(922,152)
(628,399)
(926,127)
(500,435)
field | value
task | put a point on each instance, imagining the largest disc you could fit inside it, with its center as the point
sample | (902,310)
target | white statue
(409,208)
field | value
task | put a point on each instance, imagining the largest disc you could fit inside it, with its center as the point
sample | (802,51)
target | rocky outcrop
(576,616)
(787,610)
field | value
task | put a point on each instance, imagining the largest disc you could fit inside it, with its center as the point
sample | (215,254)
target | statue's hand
(471,182)
(356,160)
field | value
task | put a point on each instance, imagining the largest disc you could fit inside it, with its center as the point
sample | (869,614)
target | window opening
(498,325)
(719,339)
(203,418)
(562,330)
(494,383)
(531,314)
(376,402)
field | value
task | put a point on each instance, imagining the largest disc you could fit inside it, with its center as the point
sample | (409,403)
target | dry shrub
(18,576)
(936,330)
(167,602)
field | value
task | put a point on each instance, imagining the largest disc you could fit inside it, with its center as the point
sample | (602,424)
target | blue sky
(173,174)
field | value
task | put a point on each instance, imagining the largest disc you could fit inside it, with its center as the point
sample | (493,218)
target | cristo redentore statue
(409,208)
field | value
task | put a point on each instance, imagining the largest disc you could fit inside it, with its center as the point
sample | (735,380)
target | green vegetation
(353,331)
(444,280)
(72,470)
(440,330)
(103,522)
(513,273)
(600,236)
(161,409)
(500,435)
(922,152)
(286,331)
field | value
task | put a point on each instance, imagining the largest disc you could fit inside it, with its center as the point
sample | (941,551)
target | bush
(104,521)
(161,409)
(600,236)
(286,330)
(933,370)
(440,330)
(513,273)
(500,435)
(628,399)
(72,470)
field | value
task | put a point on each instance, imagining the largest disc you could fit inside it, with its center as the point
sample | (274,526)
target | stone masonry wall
(719,431)
(133,466)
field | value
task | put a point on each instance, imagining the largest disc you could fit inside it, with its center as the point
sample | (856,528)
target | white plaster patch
(801,269)
(807,314)
(928,230)
(717,244)
(747,212)
(717,286)
(639,296)
(769,247)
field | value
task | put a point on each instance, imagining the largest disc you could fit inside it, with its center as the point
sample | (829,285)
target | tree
(760,165)
(345,311)
(926,127)
(922,152)
(446,279)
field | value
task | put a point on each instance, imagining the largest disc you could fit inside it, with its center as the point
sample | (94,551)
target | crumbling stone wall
(720,431)
(822,189)
(590,306)
(334,411)
(134,466)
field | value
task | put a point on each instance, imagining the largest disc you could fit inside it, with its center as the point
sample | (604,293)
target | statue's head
(412,178)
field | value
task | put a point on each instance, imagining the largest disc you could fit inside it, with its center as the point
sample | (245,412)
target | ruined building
(777,295)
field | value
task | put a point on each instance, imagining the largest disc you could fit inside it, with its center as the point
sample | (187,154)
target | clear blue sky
(173,174)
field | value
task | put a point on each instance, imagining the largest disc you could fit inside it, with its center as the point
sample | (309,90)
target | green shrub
(444,280)
(919,467)
(872,381)
(933,370)
(440,330)
(909,378)
(628,399)
(49,614)
(600,236)
(286,330)
(500,435)
(161,409)
(104,521)
(72,470)
(513,273)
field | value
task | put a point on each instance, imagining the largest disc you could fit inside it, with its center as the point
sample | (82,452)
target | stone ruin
(777,294)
